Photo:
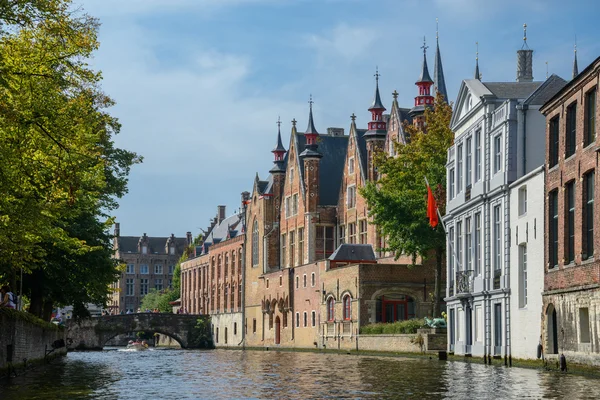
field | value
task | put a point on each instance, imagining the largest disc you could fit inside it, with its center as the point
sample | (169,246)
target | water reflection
(220,374)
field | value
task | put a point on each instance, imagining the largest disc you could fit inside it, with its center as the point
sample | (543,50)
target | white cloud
(345,41)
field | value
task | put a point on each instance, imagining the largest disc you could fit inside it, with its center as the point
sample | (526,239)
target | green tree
(162,299)
(398,200)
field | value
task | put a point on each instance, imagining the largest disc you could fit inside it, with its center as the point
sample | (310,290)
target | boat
(138,346)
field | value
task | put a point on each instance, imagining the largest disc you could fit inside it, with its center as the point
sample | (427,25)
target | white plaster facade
(499,137)
(526,263)
(226,329)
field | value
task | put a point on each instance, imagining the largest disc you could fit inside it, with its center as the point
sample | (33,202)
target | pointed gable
(468,100)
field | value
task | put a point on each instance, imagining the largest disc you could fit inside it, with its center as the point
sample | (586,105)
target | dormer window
(144,249)
(172,250)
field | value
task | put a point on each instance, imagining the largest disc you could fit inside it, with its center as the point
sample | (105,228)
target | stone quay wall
(28,337)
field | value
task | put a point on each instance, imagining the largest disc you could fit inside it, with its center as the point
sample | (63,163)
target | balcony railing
(464,282)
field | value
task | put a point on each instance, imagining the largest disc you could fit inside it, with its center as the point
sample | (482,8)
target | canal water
(224,374)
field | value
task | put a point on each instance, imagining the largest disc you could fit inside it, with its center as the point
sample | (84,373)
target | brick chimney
(189,237)
(117,229)
(220,213)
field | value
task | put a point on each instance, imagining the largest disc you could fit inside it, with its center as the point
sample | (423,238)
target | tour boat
(137,346)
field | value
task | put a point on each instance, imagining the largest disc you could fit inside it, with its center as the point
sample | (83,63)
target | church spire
(424,98)
(575,69)
(425,77)
(438,70)
(477,74)
(310,129)
(377,126)
(278,151)
(311,136)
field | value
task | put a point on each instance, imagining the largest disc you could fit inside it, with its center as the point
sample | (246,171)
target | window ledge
(571,157)
(588,261)
(570,265)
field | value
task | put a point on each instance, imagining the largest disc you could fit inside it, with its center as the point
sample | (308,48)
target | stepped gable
(156,245)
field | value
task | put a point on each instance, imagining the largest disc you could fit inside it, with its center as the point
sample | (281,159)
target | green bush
(399,327)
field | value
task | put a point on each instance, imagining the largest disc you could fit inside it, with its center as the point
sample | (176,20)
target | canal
(221,374)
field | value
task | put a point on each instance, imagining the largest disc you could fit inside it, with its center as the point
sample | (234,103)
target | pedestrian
(7,297)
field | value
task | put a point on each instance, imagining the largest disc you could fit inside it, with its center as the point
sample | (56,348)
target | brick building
(307,207)
(571,298)
(150,263)
(211,281)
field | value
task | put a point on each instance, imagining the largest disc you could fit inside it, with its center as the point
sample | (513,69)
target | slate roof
(156,245)
(230,225)
(361,145)
(438,73)
(512,90)
(333,149)
(425,77)
(354,253)
(546,90)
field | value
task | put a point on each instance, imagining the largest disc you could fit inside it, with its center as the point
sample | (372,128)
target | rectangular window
(362,231)
(584,325)
(300,246)
(452,255)
(283,250)
(523,200)
(590,117)
(312,279)
(352,232)
(324,243)
(143,286)
(497,153)
(295,204)
(451,183)
(341,234)
(459,245)
(469,160)
(171,269)
(351,165)
(288,206)
(253,325)
(497,239)
(297,282)
(588,218)
(129,287)
(553,220)
(313,318)
(305,319)
(554,141)
(158,269)
(297,320)
(158,284)
(477,246)
(292,248)
(459,170)
(304,280)
(571,130)
(477,155)
(570,222)
(351,197)
(144,269)
(130,269)
(522,275)
(497,329)
(468,245)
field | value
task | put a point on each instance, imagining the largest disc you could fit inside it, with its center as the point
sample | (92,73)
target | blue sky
(199,84)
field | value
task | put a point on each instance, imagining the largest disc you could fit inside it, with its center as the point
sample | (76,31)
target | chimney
(220,213)
(188,235)
(117,229)
(525,65)
(335,131)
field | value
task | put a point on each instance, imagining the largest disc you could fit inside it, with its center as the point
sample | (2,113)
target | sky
(199,84)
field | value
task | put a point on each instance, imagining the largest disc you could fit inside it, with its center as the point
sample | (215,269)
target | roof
(425,77)
(279,147)
(333,149)
(229,228)
(546,90)
(354,253)
(361,145)
(438,73)
(377,104)
(512,90)
(156,245)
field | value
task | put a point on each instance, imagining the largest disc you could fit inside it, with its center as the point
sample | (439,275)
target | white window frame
(351,166)
(351,196)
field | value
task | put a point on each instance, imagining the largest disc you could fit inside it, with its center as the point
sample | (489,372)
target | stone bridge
(190,331)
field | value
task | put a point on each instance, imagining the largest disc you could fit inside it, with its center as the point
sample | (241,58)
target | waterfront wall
(29,337)
(433,340)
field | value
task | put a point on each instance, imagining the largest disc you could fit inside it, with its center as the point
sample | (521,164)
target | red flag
(431,208)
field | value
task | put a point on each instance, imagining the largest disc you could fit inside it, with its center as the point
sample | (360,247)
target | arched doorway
(393,307)
(552,329)
(277,330)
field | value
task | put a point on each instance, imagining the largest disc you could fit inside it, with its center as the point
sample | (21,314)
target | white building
(526,262)
(499,137)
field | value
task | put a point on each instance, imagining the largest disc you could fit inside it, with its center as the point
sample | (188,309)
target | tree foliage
(398,200)
(161,299)
(61,173)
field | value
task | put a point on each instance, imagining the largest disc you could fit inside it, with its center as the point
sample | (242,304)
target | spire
(310,129)
(575,69)
(377,99)
(278,152)
(525,60)
(311,135)
(438,70)
(477,74)
(425,77)
(377,126)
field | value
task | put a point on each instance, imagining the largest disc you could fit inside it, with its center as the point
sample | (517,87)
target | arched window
(347,307)
(330,309)
(255,244)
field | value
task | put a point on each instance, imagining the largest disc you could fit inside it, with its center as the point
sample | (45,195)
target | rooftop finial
(278,122)
(424,47)
(575,68)
(524,37)
(546,69)
(310,129)
(395,94)
(477,73)
(294,122)
(436,29)
(377,75)
(310,101)
(353,117)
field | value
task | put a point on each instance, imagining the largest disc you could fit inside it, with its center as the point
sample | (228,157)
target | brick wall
(29,340)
